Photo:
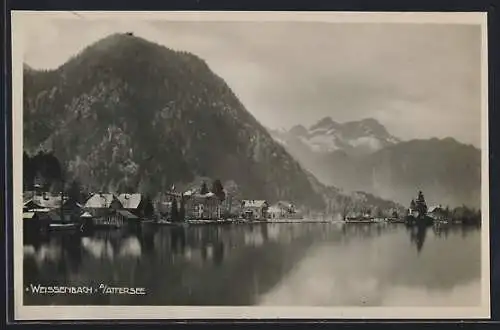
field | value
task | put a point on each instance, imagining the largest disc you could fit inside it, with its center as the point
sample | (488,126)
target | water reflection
(417,236)
(309,263)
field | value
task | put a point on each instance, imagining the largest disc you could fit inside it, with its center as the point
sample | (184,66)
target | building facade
(202,207)
(254,209)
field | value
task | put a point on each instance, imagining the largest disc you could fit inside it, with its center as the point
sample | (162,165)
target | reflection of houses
(254,209)
(107,210)
(437,212)
(137,204)
(198,206)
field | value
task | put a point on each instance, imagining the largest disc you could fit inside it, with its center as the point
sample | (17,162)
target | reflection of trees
(194,265)
(72,252)
(443,230)
(417,236)
(147,239)
(219,253)
(364,230)
(177,240)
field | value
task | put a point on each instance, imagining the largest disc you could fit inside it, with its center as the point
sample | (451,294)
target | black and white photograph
(265,165)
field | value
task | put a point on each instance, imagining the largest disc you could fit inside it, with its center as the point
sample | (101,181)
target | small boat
(164,222)
(396,220)
(63,226)
(360,220)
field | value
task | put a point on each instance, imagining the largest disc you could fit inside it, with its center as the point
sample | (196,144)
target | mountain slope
(448,171)
(129,113)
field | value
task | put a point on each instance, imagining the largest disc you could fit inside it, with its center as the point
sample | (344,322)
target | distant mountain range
(327,136)
(363,155)
(129,115)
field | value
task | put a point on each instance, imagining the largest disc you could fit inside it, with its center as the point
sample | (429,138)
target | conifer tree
(218,190)
(204,188)
(174,212)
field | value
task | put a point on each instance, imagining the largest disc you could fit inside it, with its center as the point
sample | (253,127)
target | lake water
(315,264)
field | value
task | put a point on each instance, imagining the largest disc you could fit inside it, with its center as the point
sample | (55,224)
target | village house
(101,204)
(35,211)
(282,210)
(137,204)
(163,204)
(71,210)
(437,213)
(163,207)
(254,209)
(31,205)
(107,210)
(202,206)
(43,198)
(274,212)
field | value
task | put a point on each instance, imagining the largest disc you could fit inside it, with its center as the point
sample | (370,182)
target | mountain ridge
(448,170)
(326,136)
(127,112)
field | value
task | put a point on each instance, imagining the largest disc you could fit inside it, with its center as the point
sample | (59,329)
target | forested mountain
(127,114)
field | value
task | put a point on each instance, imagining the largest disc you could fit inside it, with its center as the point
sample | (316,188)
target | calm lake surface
(308,264)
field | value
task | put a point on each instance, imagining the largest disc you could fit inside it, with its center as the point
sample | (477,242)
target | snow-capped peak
(326,136)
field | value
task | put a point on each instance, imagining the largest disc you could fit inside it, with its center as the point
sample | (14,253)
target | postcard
(250,165)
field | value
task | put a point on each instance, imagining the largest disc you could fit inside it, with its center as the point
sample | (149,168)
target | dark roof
(71,203)
(31,205)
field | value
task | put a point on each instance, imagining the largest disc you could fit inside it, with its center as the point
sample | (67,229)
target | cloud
(411,77)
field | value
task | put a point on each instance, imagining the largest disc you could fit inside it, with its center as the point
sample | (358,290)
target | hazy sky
(419,80)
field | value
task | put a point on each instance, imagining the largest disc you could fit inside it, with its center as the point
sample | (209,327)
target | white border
(19,18)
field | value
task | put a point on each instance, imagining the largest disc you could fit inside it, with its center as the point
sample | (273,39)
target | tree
(28,172)
(204,188)
(232,194)
(447,212)
(345,205)
(421,205)
(218,190)
(182,210)
(174,212)
(75,191)
(149,208)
